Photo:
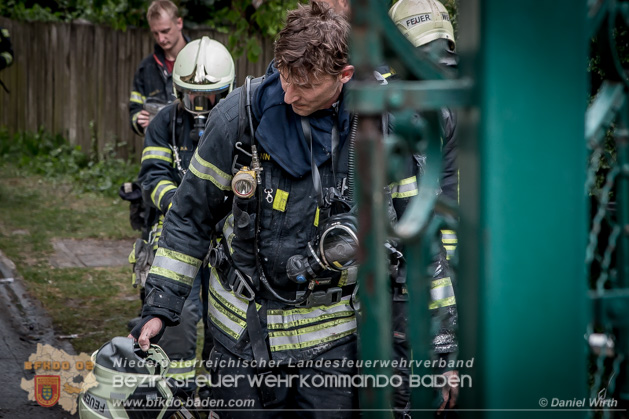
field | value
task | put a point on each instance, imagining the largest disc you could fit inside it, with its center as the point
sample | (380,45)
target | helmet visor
(202,102)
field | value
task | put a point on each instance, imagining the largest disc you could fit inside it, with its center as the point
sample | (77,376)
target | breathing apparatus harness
(195,134)
(336,244)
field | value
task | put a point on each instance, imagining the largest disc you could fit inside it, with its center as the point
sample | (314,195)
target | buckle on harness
(240,284)
(321,298)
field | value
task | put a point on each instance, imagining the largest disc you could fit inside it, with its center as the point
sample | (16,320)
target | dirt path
(23,324)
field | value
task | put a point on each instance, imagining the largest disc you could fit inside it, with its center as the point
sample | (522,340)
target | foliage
(52,156)
(245,23)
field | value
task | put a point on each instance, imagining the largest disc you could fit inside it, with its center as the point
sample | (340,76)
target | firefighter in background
(6,49)
(203,74)
(152,90)
(6,52)
(152,83)
(427,26)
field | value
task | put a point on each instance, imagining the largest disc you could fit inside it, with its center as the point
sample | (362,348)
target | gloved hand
(141,257)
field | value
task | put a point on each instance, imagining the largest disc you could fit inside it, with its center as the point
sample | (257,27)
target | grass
(94,303)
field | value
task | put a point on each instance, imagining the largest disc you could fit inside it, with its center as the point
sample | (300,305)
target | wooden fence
(75,79)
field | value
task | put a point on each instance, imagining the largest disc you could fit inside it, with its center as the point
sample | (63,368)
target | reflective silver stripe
(313,335)
(181,367)
(208,171)
(160,190)
(441,289)
(404,188)
(176,266)
(283,319)
(158,153)
(136,97)
(226,318)
(448,237)
(227,297)
(220,318)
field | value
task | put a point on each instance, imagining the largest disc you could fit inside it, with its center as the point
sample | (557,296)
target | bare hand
(449,393)
(149,330)
(143,118)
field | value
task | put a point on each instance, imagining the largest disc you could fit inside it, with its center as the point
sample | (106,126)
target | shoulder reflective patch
(5,33)
(316,220)
(176,266)
(405,188)
(158,153)
(279,202)
(207,171)
(417,20)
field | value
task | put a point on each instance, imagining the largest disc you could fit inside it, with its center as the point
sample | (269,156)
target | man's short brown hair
(159,7)
(314,43)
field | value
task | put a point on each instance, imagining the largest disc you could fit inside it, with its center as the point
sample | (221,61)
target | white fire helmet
(204,67)
(422,21)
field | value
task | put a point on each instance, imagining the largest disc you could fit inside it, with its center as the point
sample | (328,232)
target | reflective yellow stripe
(228,232)
(440,289)
(450,301)
(137,97)
(226,321)
(348,276)
(7,57)
(207,171)
(158,153)
(227,297)
(284,319)
(160,190)
(405,188)
(181,370)
(313,335)
(176,266)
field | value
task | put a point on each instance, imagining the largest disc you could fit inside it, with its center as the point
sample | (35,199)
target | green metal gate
(526,243)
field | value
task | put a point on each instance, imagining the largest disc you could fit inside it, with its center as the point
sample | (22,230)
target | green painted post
(522,282)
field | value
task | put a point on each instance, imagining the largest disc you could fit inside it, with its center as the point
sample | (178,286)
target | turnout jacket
(159,175)
(151,81)
(288,220)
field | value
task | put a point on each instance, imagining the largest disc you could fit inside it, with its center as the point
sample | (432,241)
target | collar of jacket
(280,134)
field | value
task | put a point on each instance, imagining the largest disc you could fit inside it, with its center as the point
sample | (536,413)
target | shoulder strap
(247,123)
(176,125)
